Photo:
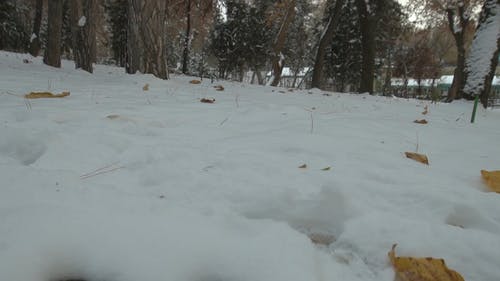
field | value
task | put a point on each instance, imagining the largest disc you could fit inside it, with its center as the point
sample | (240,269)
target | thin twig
(102,170)
(312,123)
(417,143)
(147,98)
(27,102)
(223,121)
(311,111)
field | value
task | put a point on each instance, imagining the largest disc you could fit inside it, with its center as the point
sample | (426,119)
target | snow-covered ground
(114,183)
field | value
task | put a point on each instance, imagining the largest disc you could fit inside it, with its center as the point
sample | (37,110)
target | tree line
(346,45)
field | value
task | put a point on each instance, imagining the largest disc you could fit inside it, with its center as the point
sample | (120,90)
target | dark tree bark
(367,24)
(325,40)
(146,47)
(456,89)
(483,56)
(187,38)
(37,23)
(279,43)
(52,54)
(83,31)
(133,42)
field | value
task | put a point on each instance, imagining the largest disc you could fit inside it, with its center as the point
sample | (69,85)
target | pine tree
(344,55)
(13,33)
(117,20)
(298,43)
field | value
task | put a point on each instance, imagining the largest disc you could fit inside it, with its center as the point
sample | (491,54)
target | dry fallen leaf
(219,88)
(38,95)
(303,166)
(492,179)
(204,100)
(113,116)
(422,121)
(326,169)
(145,87)
(322,239)
(418,157)
(421,269)
(195,82)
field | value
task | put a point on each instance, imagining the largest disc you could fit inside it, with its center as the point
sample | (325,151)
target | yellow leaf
(145,87)
(303,166)
(38,95)
(195,82)
(492,179)
(418,157)
(421,269)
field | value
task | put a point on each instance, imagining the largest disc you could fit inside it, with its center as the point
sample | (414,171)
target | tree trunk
(483,56)
(260,79)
(133,43)
(279,43)
(485,93)
(456,89)
(367,23)
(146,46)
(187,38)
(388,76)
(326,39)
(52,54)
(83,32)
(37,23)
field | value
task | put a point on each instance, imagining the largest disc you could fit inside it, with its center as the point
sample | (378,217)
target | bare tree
(325,40)
(483,56)
(83,31)
(279,42)
(52,54)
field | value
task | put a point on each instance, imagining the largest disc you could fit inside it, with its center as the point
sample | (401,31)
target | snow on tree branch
(483,48)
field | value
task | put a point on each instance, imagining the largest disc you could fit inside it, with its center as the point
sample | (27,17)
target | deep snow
(119,184)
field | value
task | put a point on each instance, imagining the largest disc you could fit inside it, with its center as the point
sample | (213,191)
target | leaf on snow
(38,95)
(326,169)
(321,239)
(195,82)
(492,179)
(421,269)
(219,88)
(422,121)
(113,116)
(145,87)
(418,157)
(303,166)
(204,100)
